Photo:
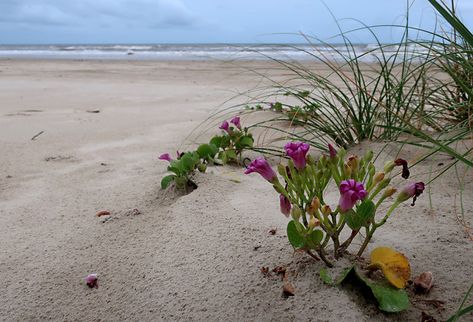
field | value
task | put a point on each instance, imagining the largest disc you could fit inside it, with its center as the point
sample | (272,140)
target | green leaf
(295,238)
(316,237)
(167,180)
(223,156)
(177,167)
(389,299)
(362,217)
(231,154)
(207,151)
(217,141)
(353,221)
(189,161)
(245,142)
(343,275)
(366,211)
(325,276)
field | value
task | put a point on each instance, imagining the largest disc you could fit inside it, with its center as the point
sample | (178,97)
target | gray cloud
(131,13)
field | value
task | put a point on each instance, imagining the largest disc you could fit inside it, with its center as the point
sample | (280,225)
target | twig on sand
(34,137)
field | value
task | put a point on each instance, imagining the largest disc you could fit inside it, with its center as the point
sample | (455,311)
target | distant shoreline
(190,52)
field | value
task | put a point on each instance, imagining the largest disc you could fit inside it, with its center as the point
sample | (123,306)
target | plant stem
(321,253)
(369,234)
(347,243)
(312,255)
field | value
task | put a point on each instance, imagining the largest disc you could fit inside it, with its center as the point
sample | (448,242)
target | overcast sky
(200,21)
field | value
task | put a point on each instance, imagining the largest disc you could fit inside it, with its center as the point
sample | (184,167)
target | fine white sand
(194,257)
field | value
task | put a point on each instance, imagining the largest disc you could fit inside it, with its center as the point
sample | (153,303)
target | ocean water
(192,52)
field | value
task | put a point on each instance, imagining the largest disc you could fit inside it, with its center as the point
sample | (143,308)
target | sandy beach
(100,127)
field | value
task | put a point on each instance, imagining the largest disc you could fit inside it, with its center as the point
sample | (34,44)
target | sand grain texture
(197,257)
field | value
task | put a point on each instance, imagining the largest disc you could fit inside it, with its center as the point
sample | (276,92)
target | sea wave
(367,52)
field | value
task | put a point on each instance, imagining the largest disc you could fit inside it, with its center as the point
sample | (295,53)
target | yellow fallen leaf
(395,266)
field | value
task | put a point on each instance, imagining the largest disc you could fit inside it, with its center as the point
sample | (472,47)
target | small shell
(424,282)
(103,213)
(288,289)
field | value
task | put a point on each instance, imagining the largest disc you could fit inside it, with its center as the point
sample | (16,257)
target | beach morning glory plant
(362,190)
(232,142)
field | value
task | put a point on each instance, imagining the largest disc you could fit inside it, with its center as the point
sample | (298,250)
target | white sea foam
(368,52)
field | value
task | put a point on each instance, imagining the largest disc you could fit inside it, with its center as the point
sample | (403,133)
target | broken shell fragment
(424,282)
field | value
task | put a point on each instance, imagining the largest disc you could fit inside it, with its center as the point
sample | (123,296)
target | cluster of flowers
(221,149)
(233,142)
(362,190)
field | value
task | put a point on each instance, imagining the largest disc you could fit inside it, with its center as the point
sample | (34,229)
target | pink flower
(92,281)
(350,192)
(333,152)
(285,205)
(165,157)
(236,121)
(225,126)
(261,166)
(412,190)
(297,152)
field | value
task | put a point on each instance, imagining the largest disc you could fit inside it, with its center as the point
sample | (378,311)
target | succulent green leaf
(246,142)
(207,151)
(362,217)
(389,299)
(325,276)
(189,161)
(166,181)
(316,237)
(366,211)
(343,275)
(231,154)
(353,221)
(217,141)
(295,238)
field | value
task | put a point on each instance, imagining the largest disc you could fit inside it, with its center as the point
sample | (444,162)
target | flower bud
(314,206)
(313,222)
(346,170)
(285,205)
(368,156)
(353,163)
(371,169)
(378,177)
(384,183)
(389,192)
(326,210)
(389,166)
(332,151)
(296,213)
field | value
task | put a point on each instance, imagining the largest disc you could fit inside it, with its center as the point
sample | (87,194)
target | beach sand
(194,257)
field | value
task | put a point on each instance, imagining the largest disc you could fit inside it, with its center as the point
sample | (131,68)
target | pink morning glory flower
(350,192)
(261,166)
(165,157)
(285,205)
(412,190)
(297,151)
(225,126)
(236,121)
